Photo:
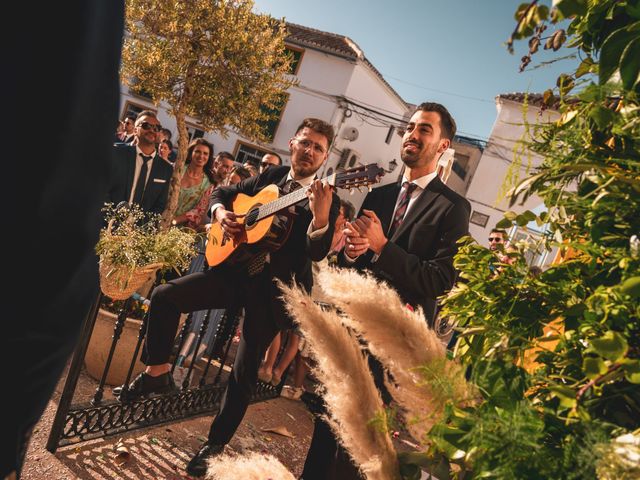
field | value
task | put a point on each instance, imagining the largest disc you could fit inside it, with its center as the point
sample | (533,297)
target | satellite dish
(350,133)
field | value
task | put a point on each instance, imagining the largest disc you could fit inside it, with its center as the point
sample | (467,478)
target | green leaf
(630,64)
(575,310)
(521,220)
(602,116)
(593,367)
(568,8)
(510,215)
(631,287)
(585,67)
(529,215)
(631,368)
(611,346)
(611,52)
(633,9)
(504,223)
(566,396)
(542,12)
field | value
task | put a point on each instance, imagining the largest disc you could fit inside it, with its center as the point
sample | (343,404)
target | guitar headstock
(357,177)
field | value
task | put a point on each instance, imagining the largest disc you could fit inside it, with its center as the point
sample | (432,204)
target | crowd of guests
(405,233)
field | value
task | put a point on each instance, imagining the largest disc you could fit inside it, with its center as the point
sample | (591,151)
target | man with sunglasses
(497,239)
(138,174)
(270,160)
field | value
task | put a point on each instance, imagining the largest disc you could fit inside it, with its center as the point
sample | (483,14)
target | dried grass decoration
(132,249)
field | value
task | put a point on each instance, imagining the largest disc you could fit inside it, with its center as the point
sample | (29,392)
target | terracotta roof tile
(332,43)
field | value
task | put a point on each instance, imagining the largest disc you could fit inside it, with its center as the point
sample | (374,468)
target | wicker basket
(119,283)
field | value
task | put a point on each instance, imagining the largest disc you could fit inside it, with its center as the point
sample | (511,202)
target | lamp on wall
(393,164)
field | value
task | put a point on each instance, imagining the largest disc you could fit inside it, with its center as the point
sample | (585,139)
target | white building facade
(487,187)
(336,83)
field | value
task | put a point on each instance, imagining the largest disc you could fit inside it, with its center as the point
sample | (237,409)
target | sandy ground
(163,452)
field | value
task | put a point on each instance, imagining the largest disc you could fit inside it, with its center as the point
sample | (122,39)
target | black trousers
(327,459)
(219,288)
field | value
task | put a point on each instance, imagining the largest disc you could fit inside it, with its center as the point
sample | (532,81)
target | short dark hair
(349,209)
(276,155)
(146,113)
(320,126)
(167,132)
(498,230)
(168,143)
(241,171)
(447,123)
(227,155)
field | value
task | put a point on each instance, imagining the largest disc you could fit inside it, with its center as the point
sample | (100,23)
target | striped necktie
(401,206)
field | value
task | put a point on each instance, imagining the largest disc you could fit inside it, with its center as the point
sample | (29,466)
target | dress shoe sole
(143,396)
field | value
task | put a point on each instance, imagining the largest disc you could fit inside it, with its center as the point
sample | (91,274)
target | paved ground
(163,452)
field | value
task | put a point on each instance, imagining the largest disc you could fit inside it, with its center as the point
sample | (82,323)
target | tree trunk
(174,186)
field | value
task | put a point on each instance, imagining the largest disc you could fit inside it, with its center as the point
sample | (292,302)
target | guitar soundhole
(251,218)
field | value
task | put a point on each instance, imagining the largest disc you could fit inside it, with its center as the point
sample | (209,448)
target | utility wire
(439,91)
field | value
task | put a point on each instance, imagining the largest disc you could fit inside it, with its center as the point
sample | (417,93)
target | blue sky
(448,51)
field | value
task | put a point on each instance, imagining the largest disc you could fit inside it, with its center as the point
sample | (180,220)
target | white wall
(496,160)
(366,88)
(322,78)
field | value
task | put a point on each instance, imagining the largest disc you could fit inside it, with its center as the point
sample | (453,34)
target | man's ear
(444,144)
(291,145)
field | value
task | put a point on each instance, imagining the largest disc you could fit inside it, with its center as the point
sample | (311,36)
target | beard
(422,156)
(306,169)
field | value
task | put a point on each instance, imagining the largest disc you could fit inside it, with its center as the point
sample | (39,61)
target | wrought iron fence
(203,358)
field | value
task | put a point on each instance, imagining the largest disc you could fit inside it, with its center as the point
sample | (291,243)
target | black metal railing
(202,362)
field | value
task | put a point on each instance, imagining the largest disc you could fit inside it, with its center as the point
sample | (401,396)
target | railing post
(72,376)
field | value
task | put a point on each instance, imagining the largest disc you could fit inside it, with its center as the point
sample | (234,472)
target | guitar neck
(282,203)
(356,177)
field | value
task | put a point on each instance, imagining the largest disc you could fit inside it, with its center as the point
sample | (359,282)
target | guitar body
(268,217)
(267,234)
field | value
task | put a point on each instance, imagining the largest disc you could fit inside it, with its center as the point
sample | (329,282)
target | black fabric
(61,90)
(157,185)
(418,258)
(418,262)
(142,180)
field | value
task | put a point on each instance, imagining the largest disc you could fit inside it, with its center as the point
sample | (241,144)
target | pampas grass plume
(350,393)
(400,339)
(254,466)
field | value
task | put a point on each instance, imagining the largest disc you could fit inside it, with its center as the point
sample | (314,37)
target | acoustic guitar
(268,219)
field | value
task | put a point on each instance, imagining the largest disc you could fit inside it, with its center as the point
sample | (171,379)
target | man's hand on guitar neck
(320,196)
(227,220)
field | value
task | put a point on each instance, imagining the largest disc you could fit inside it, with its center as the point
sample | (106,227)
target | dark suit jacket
(418,260)
(124,164)
(295,256)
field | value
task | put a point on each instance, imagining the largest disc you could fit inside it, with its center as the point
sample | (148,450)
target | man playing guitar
(251,284)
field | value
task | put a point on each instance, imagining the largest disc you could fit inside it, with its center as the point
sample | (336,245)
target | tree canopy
(213,60)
